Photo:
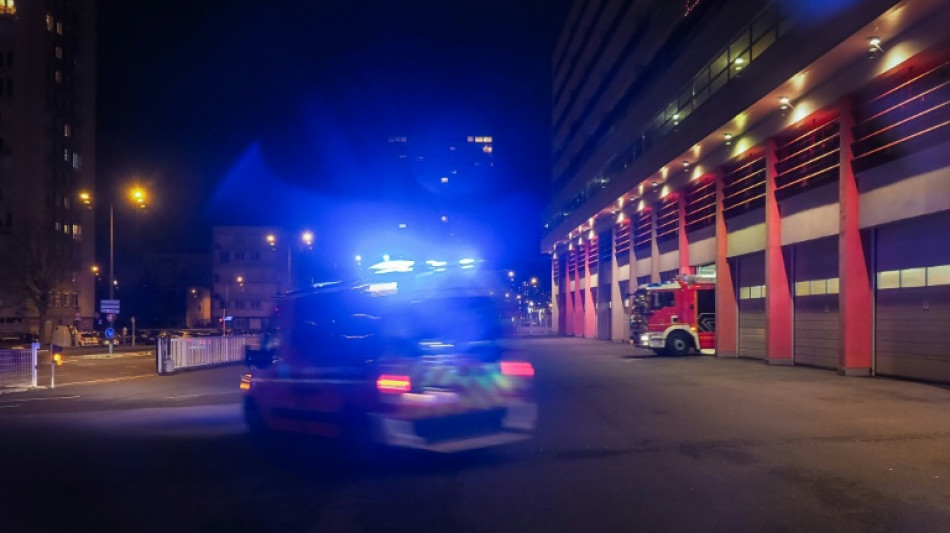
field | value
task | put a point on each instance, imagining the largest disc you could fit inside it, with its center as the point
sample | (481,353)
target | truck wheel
(678,343)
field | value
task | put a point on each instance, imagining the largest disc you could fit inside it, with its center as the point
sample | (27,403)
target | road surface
(626,442)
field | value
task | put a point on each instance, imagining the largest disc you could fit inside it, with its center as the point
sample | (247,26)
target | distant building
(250,266)
(47,152)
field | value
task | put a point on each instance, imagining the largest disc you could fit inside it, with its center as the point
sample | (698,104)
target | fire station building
(798,149)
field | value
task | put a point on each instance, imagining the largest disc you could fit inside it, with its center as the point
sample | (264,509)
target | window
(239,256)
(77,232)
(66,132)
(77,161)
(66,154)
(59,52)
(256,256)
(239,304)
(49,22)
(58,77)
(59,28)
(255,304)
(223,257)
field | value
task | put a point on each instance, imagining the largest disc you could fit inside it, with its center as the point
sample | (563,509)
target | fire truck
(675,317)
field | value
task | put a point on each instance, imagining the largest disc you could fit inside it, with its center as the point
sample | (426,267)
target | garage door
(751,275)
(912,326)
(816,303)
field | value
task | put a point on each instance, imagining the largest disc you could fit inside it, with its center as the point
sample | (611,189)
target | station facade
(800,150)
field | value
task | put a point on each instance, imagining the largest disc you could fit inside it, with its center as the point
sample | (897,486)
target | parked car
(16,341)
(89,338)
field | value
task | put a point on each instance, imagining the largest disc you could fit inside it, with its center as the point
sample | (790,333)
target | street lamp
(307,237)
(138,197)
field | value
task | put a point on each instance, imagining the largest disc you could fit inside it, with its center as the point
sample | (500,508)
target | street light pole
(111,251)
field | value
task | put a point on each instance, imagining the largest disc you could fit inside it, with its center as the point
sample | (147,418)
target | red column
(654,249)
(568,295)
(778,296)
(685,268)
(578,292)
(855,297)
(727,308)
(590,312)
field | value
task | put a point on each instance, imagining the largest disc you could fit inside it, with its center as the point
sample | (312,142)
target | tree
(38,263)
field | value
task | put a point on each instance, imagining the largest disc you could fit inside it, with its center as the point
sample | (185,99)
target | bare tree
(38,262)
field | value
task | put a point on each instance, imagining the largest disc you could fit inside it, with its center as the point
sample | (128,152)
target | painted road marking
(182,397)
(38,399)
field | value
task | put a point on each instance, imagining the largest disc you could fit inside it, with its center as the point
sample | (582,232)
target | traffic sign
(110,333)
(110,317)
(109,306)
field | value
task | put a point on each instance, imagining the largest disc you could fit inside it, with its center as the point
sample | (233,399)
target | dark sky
(189,92)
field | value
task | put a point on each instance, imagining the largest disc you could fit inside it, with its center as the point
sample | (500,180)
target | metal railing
(172,354)
(18,367)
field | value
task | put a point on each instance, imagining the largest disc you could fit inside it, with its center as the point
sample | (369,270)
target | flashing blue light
(466,261)
(388,267)
(434,263)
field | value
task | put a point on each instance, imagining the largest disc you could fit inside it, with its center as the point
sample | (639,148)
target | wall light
(875,50)
(728,138)
(784,103)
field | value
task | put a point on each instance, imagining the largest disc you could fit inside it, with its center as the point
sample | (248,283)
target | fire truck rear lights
(246,382)
(393,384)
(517,368)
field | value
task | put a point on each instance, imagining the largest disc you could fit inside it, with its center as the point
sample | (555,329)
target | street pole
(290,278)
(224,316)
(111,251)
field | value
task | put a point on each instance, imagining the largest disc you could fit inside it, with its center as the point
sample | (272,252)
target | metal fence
(18,367)
(180,353)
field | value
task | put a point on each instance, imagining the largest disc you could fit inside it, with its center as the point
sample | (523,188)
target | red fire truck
(675,317)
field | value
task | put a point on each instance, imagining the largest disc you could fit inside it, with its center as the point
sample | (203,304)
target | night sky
(275,112)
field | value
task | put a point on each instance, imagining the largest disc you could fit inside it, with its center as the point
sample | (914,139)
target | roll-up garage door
(912,326)
(816,303)
(751,274)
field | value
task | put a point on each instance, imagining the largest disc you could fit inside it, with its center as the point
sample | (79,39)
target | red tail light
(517,368)
(393,384)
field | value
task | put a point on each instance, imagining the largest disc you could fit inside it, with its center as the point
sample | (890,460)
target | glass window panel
(762,44)
(938,275)
(718,82)
(819,286)
(763,291)
(802,288)
(889,280)
(833,286)
(700,96)
(744,293)
(701,80)
(763,24)
(755,292)
(739,46)
(719,64)
(914,277)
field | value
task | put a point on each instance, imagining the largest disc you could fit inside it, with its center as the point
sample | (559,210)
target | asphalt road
(625,443)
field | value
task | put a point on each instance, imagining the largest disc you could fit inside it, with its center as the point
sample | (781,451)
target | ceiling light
(728,137)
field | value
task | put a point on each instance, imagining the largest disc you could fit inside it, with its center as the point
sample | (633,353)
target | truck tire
(678,343)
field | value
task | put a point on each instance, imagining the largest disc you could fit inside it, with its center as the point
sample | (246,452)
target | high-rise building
(798,149)
(47,162)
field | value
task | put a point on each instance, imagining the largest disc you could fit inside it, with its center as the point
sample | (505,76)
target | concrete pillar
(617,327)
(654,249)
(579,253)
(590,309)
(727,307)
(685,268)
(855,296)
(778,295)
(568,275)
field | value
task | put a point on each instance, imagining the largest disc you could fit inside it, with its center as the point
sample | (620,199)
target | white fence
(18,367)
(190,352)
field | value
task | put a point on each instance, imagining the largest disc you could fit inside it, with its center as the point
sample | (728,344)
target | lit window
(59,52)
(77,161)
(66,154)
(445,179)
(49,22)
(59,28)
(938,275)
(55,226)
(479,139)
(471,139)
(58,76)
(487,139)
(66,131)
(487,149)
(7,7)
(914,277)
